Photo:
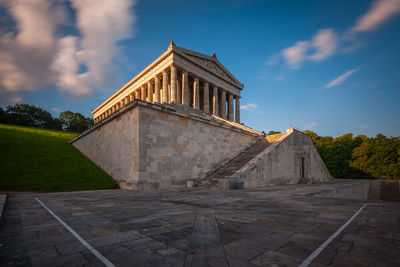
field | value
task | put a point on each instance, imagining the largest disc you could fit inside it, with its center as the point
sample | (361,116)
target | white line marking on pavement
(315,254)
(77,236)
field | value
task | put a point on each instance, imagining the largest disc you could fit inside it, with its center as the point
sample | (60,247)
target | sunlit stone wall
(150,147)
(114,147)
(286,161)
(178,148)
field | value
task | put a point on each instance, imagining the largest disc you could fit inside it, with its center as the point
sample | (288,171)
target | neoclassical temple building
(177,124)
(180,76)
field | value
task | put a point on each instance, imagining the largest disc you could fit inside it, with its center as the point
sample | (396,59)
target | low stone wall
(346,189)
(282,163)
(148,146)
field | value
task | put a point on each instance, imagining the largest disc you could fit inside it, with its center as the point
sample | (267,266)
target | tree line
(359,157)
(34,116)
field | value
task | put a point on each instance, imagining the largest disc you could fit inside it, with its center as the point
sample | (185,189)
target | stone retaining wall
(148,146)
(114,147)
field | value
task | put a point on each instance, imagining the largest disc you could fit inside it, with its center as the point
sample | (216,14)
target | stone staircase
(219,179)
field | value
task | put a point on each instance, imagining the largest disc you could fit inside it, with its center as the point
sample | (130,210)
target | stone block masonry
(157,146)
(114,146)
(291,159)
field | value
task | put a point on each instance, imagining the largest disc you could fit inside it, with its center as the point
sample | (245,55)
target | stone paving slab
(198,227)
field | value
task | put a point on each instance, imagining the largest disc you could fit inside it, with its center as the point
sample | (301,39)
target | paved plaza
(197,227)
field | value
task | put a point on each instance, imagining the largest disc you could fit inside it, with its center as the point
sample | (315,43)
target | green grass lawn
(42,160)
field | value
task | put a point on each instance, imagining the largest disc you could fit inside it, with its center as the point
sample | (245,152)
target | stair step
(219,178)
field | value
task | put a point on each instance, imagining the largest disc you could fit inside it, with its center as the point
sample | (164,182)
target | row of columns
(178,91)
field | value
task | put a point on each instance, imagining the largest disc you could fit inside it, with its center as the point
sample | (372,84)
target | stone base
(148,146)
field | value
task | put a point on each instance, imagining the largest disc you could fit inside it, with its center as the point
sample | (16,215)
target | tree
(75,122)
(3,116)
(379,157)
(337,154)
(55,124)
(31,115)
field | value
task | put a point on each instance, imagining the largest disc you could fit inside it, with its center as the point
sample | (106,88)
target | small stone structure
(183,134)
(291,159)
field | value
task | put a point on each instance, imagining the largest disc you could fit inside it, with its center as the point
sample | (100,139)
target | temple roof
(210,63)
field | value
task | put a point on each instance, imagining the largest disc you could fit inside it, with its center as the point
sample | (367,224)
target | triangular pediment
(210,63)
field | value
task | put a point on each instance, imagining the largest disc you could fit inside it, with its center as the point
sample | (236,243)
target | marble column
(215,101)
(143,93)
(165,87)
(138,96)
(230,107)
(237,115)
(186,92)
(150,88)
(157,89)
(179,92)
(206,98)
(196,94)
(173,84)
(222,113)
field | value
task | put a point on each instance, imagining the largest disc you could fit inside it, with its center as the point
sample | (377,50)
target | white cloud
(17,99)
(341,78)
(325,43)
(26,55)
(55,109)
(295,54)
(364,126)
(310,125)
(249,107)
(66,64)
(102,24)
(280,77)
(380,11)
(35,56)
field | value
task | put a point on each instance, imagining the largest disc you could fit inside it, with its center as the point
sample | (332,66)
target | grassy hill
(42,160)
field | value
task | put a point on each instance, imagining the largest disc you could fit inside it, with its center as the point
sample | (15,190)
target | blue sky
(329,66)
